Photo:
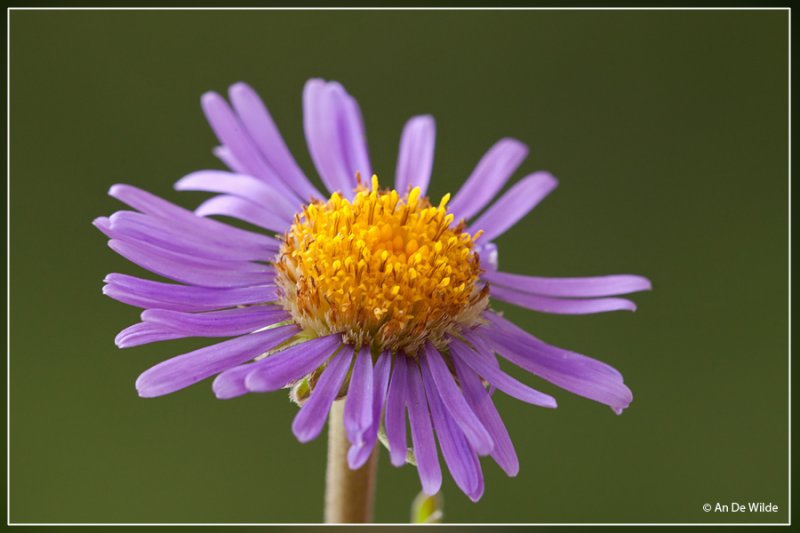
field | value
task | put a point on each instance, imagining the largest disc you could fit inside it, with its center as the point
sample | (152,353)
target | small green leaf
(427,509)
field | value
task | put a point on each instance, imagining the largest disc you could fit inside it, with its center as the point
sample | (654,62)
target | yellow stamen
(385,270)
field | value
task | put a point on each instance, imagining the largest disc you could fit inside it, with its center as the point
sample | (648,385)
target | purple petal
(160,325)
(144,333)
(481,402)
(280,369)
(589,287)
(145,293)
(171,244)
(358,405)
(485,365)
(569,370)
(358,454)
(460,458)
(335,135)
(454,401)
(561,306)
(233,206)
(352,133)
(187,369)
(178,216)
(489,176)
(430,474)
(227,323)
(241,186)
(104,225)
(224,154)
(231,133)
(319,128)
(514,204)
(415,158)
(133,226)
(186,269)
(311,418)
(283,367)
(230,383)
(269,141)
(395,415)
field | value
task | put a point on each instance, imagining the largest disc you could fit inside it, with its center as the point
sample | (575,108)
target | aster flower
(375,295)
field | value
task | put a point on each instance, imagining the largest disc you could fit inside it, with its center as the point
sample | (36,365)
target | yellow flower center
(387,271)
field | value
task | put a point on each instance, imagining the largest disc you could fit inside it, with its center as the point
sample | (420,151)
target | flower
(376,295)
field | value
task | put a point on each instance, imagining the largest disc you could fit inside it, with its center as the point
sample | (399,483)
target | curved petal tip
(240,87)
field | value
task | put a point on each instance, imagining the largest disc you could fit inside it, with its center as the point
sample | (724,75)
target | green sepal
(300,392)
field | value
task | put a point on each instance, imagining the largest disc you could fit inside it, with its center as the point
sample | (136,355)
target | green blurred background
(668,131)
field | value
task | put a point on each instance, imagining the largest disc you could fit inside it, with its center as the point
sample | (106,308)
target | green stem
(349,494)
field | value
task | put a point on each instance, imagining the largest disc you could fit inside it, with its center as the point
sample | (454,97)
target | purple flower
(376,295)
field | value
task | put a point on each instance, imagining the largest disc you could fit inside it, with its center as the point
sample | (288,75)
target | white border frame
(9,10)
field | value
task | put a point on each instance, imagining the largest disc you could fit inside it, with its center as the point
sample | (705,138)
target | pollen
(385,270)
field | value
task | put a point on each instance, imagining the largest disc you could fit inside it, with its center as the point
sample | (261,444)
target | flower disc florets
(387,271)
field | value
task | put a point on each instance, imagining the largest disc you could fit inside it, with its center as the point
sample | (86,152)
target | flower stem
(349,494)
